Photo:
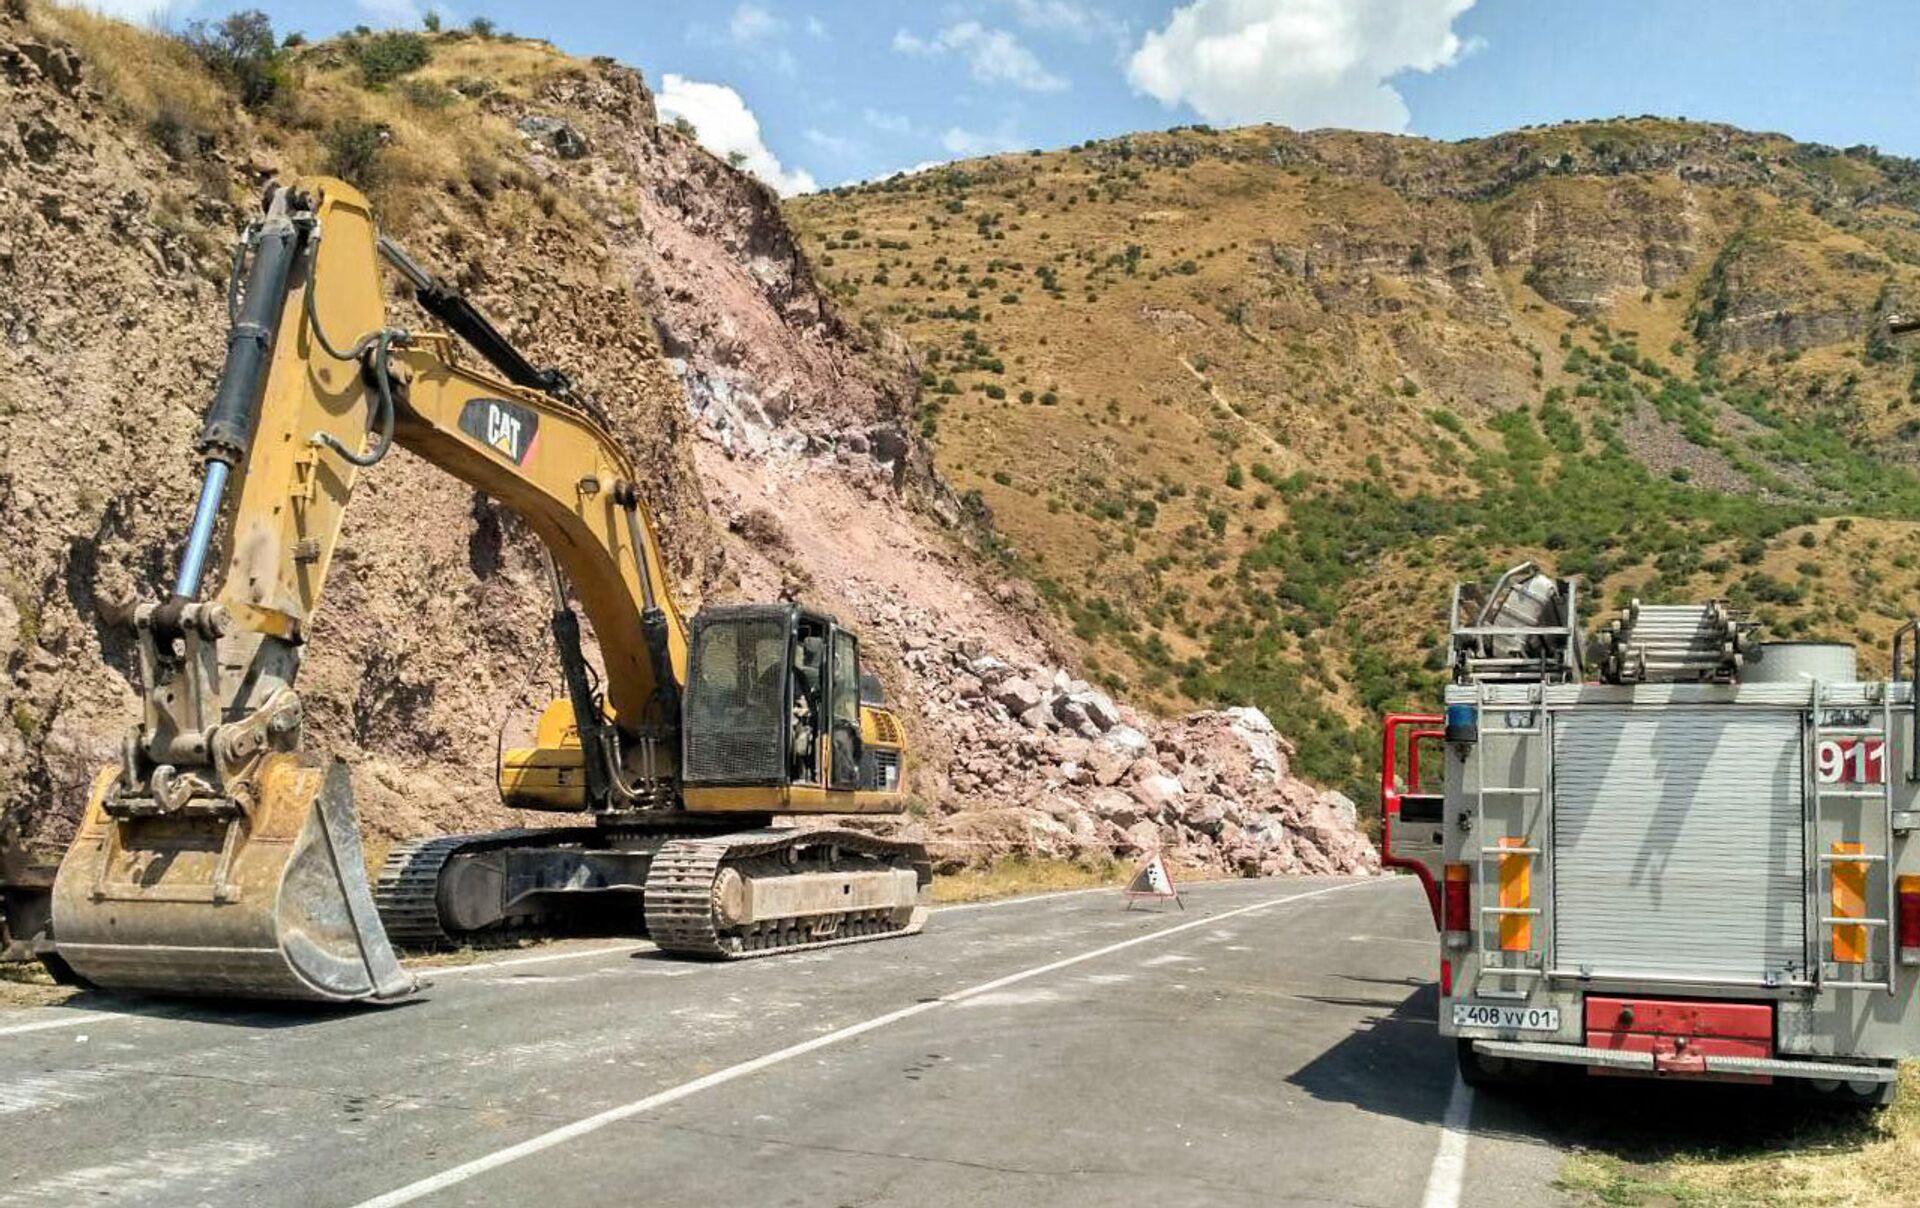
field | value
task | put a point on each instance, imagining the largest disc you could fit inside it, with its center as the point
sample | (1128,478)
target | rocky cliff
(779,443)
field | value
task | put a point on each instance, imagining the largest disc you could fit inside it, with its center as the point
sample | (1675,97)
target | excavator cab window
(736,706)
(844,710)
(808,713)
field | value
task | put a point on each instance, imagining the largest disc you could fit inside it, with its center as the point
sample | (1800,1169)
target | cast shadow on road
(1394,1062)
(252,1014)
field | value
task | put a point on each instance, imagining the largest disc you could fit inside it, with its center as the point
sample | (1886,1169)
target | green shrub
(353,152)
(386,57)
(428,95)
(240,51)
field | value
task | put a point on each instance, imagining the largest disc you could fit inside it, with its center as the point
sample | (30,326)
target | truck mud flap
(271,904)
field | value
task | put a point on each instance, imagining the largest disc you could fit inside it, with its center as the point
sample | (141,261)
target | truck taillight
(1457,901)
(1909,893)
(1446,978)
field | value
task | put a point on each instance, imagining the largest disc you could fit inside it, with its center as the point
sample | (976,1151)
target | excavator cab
(778,718)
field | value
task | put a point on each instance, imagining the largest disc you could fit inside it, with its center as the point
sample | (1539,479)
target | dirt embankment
(777,442)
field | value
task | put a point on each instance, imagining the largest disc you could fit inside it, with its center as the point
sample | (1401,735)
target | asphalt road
(1270,1045)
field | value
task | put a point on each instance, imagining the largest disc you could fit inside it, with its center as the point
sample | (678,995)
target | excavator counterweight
(220,857)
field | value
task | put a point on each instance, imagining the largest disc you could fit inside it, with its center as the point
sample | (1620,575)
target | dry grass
(1017,876)
(147,75)
(1764,1151)
(1022,875)
(30,985)
(435,141)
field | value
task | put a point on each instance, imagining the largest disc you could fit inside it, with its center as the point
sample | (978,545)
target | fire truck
(1666,849)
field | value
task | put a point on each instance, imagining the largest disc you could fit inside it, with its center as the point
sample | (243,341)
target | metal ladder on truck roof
(1488,905)
(1878,931)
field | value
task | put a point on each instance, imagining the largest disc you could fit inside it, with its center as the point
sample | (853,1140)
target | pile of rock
(1043,764)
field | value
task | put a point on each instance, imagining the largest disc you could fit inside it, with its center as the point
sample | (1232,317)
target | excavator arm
(220,857)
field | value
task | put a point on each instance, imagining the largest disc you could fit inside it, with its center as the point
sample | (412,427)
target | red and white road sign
(1153,880)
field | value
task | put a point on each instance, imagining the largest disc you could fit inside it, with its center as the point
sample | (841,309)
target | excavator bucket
(267,903)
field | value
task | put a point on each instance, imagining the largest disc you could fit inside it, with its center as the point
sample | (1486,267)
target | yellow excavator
(218,857)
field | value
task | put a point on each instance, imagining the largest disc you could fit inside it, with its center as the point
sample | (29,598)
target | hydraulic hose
(382,342)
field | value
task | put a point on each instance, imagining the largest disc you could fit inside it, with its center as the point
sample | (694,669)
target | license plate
(1514,1019)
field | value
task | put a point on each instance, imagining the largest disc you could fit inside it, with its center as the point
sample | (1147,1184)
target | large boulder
(1160,793)
(1341,807)
(1106,763)
(1207,815)
(1116,807)
(990,669)
(555,135)
(1016,695)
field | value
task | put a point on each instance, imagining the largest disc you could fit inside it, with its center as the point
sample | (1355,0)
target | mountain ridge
(1243,401)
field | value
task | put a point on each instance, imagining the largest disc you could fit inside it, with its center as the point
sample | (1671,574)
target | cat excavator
(219,857)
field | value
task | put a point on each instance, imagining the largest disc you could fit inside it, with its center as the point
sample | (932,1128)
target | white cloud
(751,23)
(994,56)
(887,123)
(397,14)
(725,126)
(816,27)
(1303,63)
(833,144)
(151,13)
(967,143)
(1082,22)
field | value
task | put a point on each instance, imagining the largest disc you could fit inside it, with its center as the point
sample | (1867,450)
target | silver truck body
(1693,851)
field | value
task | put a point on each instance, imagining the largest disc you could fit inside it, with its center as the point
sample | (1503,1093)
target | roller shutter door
(1677,844)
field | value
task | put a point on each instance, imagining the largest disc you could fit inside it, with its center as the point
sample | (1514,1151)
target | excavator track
(407,893)
(684,905)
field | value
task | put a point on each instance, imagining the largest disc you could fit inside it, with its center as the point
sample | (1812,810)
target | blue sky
(820,92)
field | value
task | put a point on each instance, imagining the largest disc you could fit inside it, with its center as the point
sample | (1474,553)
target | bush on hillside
(241,51)
(386,57)
(353,152)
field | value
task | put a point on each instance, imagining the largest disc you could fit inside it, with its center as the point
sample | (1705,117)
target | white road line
(71,1021)
(1449,1168)
(430,972)
(454,1176)
(957,907)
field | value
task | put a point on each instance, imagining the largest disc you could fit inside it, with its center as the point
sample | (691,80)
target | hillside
(775,440)
(1244,403)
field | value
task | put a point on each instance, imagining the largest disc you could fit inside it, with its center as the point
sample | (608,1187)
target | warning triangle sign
(1153,880)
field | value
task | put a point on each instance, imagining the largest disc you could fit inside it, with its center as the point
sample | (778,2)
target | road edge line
(43,1025)
(1449,1170)
(453,1176)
